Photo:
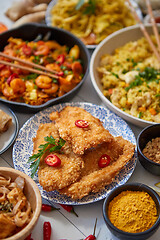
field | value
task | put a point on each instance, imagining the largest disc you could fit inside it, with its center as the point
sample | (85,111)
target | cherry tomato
(46,231)
(81,123)
(26,50)
(104,161)
(90,237)
(60,59)
(11,77)
(53,160)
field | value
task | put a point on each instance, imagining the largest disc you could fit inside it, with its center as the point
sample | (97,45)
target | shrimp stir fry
(34,89)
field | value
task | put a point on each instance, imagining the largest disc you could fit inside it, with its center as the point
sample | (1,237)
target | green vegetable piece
(34,160)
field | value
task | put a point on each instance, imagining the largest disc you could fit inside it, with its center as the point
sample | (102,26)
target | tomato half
(81,123)
(52,160)
(104,161)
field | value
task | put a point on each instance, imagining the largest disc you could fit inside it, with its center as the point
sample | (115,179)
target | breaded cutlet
(93,178)
(80,139)
(68,172)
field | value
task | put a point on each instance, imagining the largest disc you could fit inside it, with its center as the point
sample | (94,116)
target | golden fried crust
(54,178)
(80,139)
(94,179)
(44,130)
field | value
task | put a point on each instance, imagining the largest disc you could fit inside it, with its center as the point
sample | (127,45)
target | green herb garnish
(90,8)
(114,74)
(34,160)
(148,75)
(31,76)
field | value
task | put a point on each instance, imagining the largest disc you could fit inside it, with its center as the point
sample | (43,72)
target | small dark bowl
(125,235)
(29,32)
(146,135)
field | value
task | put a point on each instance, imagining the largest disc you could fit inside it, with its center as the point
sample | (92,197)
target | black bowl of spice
(148,148)
(132,211)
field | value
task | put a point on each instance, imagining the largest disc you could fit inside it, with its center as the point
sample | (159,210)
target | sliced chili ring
(52,160)
(104,161)
(81,123)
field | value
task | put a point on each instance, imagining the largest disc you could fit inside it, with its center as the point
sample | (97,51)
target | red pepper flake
(81,123)
(46,231)
(69,208)
(104,161)
(48,208)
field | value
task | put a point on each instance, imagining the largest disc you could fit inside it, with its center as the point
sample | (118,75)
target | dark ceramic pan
(29,32)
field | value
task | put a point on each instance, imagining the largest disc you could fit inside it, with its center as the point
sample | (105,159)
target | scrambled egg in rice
(131,79)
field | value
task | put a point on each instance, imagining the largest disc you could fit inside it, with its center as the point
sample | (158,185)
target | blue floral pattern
(23,147)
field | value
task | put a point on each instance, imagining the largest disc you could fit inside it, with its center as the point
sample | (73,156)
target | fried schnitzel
(80,138)
(68,172)
(93,178)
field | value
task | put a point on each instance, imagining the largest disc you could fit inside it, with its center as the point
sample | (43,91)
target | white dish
(23,148)
(48,19)
(7,138)
(108,45)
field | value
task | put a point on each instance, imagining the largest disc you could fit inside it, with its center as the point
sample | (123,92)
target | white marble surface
(66,225)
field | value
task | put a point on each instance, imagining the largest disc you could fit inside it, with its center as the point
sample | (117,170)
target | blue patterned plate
(23,147)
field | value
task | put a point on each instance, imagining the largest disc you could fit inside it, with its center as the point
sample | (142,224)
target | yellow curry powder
(133,211)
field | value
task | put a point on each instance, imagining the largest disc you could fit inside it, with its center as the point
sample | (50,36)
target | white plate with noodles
(90,28)
(23,149)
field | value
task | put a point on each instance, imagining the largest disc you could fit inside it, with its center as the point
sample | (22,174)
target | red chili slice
(60,59)
(104,161)
(53,160)
(26,50)
(11,77)
(81,123)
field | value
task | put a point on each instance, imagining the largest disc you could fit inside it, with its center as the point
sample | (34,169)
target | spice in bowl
(133,211)
(152,150)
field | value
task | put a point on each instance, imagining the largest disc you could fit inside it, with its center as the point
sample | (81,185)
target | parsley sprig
(148,75)
(34,160)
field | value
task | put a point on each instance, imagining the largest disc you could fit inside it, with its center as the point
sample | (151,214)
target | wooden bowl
(33,195)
